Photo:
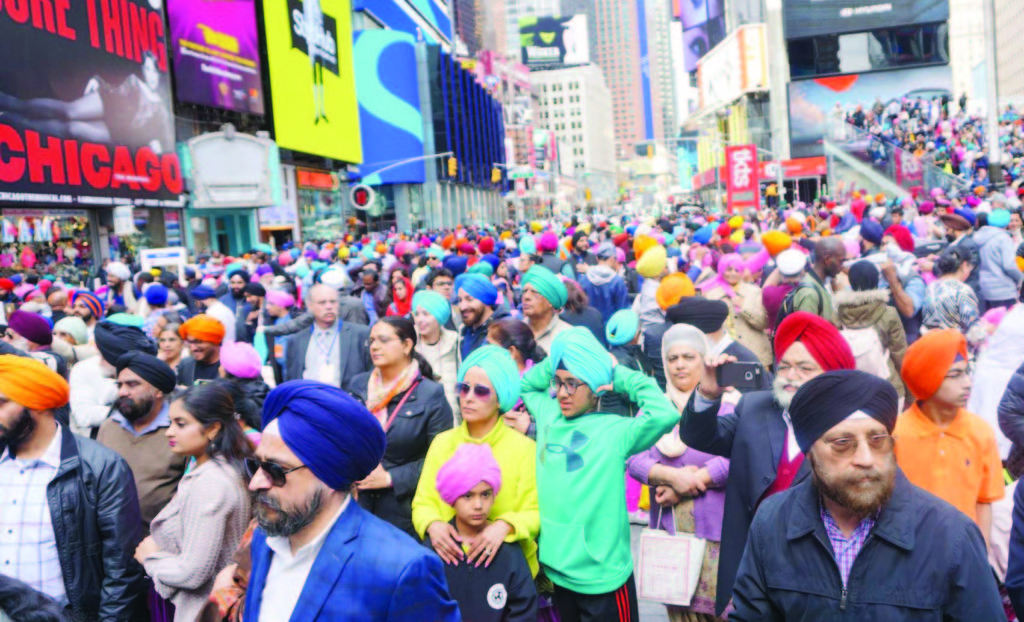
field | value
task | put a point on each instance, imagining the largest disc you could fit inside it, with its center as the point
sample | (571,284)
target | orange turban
(929,358)
(794,226)
(643,243)
(30,383)
(674,288)
(447,241)
(776,242)
(203,328)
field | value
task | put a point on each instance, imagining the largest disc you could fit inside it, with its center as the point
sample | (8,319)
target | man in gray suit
(332,350)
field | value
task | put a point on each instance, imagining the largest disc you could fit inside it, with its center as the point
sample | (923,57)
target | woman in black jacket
(411,408)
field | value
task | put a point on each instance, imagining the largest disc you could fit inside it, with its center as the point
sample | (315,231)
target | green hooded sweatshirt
(581,475)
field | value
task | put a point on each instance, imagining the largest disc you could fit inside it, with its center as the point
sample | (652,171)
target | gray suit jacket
(352,346)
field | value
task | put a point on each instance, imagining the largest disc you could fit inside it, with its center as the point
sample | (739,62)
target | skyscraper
(468,19)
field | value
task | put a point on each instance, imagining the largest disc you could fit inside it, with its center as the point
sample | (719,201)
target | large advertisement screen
(389,106)
(85,104)
(554,41)
(807,18)
(309,45)
(813,103)
(703,28)
(216,54)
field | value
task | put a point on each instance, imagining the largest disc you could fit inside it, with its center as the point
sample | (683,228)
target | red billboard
(741,177)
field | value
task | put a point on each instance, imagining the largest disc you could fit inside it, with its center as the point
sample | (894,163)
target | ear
(215,428)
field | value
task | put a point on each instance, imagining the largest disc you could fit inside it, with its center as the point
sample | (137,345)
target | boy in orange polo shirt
(940,446)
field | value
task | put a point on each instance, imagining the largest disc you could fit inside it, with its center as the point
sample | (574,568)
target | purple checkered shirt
(846,550)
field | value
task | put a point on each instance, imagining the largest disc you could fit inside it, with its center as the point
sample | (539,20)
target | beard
(862,492)
(285,524)
(19,431)
(133,410)
(783,397)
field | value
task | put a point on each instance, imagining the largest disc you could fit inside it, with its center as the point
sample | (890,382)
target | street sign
(520,175)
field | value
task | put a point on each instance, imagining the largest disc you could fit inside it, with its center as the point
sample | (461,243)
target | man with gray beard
(900,552)
(758,437)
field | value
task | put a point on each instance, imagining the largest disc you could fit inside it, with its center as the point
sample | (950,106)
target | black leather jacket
(97,524)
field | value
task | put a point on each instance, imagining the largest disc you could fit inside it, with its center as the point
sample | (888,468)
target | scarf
(378,396)
(404,307)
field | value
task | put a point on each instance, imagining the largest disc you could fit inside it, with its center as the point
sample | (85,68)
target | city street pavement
(650,611)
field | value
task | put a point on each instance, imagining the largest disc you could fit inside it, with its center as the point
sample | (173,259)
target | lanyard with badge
(327,368)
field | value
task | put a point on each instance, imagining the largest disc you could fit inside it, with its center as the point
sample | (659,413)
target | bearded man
(859,541)
(136,430)
(758,437)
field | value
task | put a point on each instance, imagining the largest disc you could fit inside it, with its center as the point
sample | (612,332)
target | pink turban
(548,242)
(240,360)
(279,298)
(471,464)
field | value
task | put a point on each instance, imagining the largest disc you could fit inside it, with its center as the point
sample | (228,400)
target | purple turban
(280,298)
(240,360)
(471,464)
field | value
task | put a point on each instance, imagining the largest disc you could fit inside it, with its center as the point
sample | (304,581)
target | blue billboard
(429,17)
(389,106)
(645,70)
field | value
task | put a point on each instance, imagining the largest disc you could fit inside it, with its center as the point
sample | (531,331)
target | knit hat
(928,360)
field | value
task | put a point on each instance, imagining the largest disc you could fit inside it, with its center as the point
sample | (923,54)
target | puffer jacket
(999,277)
(871,308)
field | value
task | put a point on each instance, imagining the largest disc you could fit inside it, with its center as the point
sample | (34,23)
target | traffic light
(453,167)
(495,175)
(650,151)
(361,196)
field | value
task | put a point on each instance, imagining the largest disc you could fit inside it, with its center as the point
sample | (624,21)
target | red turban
(486,245)
(819,336)
(902,236)
(858,207)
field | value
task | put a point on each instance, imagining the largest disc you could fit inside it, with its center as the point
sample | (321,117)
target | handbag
(670,564)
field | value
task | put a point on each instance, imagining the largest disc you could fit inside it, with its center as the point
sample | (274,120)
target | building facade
(1010,48)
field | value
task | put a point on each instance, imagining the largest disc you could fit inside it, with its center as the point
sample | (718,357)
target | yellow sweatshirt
(516,503)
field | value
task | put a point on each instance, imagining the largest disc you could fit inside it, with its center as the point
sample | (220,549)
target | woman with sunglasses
(687,486)
(411,408)
(488,386)
(194,536)
(431,311)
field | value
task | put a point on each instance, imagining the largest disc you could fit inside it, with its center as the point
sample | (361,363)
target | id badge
(327,374)
(278,351)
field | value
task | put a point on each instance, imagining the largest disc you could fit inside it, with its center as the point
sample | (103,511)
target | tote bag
(670,565)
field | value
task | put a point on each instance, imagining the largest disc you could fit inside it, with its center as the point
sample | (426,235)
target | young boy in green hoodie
(581,466)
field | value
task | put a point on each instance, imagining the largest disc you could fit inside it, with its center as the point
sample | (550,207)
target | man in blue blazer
(317,556)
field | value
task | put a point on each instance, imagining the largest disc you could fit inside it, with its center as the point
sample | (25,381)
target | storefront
(324,210)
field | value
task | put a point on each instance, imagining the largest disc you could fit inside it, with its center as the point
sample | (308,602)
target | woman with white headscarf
(687,486)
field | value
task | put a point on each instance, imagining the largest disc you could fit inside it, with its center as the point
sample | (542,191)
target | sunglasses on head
(274,472)
(478,390)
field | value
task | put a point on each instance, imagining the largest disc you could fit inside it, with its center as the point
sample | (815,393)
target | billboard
(215,46)
(807,18)
(309,46)
(554,41)
(737,65)
(85,106)
(813,102)
(742,177)
(645,70)
(430,18)
(389,106)
(703,28)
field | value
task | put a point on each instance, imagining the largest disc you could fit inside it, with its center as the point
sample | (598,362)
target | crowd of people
(824,402)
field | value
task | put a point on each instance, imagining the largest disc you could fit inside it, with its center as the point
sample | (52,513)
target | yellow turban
(737,237)
(653,263)
(30,383)
(505,235)
(735,222)
(776,242)
(674,288)
(536,227)
(641,244)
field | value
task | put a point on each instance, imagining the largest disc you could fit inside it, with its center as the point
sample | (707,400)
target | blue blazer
(367,570)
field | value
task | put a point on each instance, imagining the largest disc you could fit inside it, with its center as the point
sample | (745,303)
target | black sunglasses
(275,472)
(478,390)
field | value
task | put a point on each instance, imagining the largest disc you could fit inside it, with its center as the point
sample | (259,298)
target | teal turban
(478,286)
(434,304)
(622,327)
(125,319)
(547,285)
(435,251)
(501,370)
(233,268)
(482,267)
(527,245)
(580,353)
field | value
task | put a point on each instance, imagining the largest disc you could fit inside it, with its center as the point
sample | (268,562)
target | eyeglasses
(802,370)
(478,390)
(275,472)
(570,386)
(847,445)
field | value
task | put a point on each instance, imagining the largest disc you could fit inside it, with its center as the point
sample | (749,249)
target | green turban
(547,285)
(434,304)
(482,267)
(622,327)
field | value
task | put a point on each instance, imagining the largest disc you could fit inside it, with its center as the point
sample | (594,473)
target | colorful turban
(330,431)
(622,327)
(903,237)
(477,286)
(113,340)
(501,370)
(547,285)
(149,368)
(673,288)
(280,298)
(819,336)
(827,400)
(928,360)
(455,264)
(548,242)
(204,328)
(642,244)
(241,360)
(582,356)
(872,232)
(203,292)
(31,326)
(127,319)
(527,245)
(92,301)
(31,384)
(999,218)
(75,327)
(776,241)
(486,245)
(653,263)
(703,235)
(119,270)
(434,304)
(482,267)
(471,464)
(156,295)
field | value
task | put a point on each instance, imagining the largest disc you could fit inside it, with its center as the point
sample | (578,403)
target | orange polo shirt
(959,464)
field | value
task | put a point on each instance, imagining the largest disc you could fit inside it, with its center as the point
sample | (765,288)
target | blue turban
(622,327)
(703,235)
(999,218)
(491,259)
(456,264)
(478,286)
(967,215)
(527,245)
(482,267)
(434,304)
(547,285)
(333,434)
(203,292)
(501,370)
(580,353)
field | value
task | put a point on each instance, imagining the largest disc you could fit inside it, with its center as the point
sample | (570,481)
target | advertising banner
(389,107)
(645,70)
(429,18)
(554,41)
(741,177)
(813,102)
(85,105)
(737,65)
(216,54)
(807,18)
(309,45)
(703,28)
